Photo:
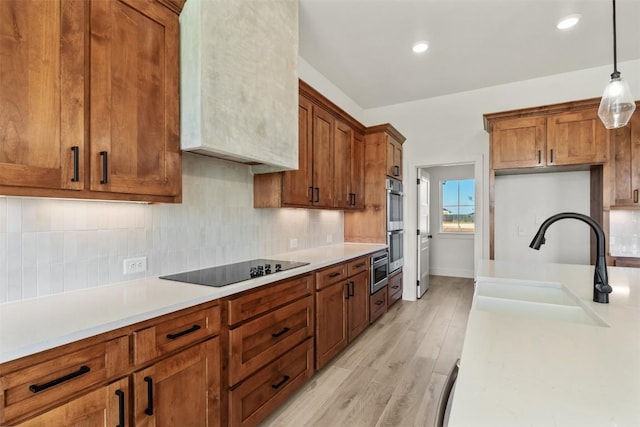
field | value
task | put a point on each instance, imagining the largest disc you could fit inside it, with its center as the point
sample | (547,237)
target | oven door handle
(389,233)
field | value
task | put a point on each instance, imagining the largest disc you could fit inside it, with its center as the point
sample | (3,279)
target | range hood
(239,81)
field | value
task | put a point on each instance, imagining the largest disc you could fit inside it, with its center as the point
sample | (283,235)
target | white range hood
(239,81)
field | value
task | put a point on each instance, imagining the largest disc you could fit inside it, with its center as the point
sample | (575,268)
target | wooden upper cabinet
(625,164)
(323,138)
(135,65)
(518,143)
(394,158)
(356,171)
(576,138)
(297,186)
(343,137)
(42,93)
(558,135)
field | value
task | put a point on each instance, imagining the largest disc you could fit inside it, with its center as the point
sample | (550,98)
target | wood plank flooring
(392,374)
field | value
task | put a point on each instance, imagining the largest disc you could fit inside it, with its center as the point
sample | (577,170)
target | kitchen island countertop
(517,370)
(38,324)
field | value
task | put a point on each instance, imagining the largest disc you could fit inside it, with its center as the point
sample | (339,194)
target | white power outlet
(293,243)
(135,265)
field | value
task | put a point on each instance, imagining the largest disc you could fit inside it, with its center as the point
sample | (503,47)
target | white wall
(526,201)
(450,254)
(49,246)
(449,129)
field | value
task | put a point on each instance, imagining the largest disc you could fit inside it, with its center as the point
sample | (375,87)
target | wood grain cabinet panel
(134,118)
(255,398)
(342,142)
(257,342)
(625,164)
(42,85)
(518,143)
(358,304)
(297,185)
(394,288)
(107,406)
(182,389)
(576,138)
(44,383)
(330,275)
(332,334)
(378,304)
(394,158)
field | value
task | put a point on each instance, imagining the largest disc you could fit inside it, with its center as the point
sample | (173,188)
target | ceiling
(364,46)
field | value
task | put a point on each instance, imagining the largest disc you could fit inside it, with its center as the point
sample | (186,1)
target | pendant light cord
(615,74)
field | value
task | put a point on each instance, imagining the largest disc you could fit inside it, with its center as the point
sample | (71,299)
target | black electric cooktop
(224,275)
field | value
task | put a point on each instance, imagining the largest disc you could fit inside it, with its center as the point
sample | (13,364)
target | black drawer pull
(284,380)
(635,196)
(105,167)
(362,264)
(35,388)
(396,170)
(317,194)
(395,287)
(76,175)
(539,156)
(282,332)
(334,274)
(379,302)
(551,155)
(352,289)
(185,332)
(311,194)
(120,395)
(149,381)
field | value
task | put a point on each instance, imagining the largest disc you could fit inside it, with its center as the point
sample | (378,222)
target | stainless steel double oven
(395,223)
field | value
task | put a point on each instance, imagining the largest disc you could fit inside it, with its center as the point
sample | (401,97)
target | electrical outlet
(293,243)
(135,265)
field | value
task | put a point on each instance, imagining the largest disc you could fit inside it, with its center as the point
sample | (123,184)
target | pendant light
(617,104)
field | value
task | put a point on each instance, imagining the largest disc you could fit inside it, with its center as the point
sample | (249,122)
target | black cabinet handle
(551,155)
(635,196)
(105,167)
(149,381)
(395,287)
(284,380)
(347,291)
(317,194)
(76,174)
(282,332)
(334,274)
(352,291)
(379,302)
(35,388)
(311,194)
(362,264)
(120,395)
(539,156)
(185,332)
(396,170)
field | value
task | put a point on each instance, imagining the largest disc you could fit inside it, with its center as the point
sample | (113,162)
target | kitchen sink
(543,300)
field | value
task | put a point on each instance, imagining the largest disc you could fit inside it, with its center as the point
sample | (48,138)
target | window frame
(460,233)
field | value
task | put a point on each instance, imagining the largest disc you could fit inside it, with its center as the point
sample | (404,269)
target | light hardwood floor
(391,375)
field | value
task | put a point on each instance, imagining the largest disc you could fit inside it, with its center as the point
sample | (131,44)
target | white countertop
(521,371)
(30,326)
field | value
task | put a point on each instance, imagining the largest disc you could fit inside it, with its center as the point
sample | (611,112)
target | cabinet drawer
(378,304)
(174,334)
(262,340)
(394,288)
(269,297)
(46,382)
(330,275)
(259,395)
(356,266)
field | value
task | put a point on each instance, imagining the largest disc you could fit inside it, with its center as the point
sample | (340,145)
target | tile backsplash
(624,233)
(49,246)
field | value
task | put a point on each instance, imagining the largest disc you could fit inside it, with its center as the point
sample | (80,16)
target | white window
(458,207)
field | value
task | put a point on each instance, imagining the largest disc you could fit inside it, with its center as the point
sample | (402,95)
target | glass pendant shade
(617,104)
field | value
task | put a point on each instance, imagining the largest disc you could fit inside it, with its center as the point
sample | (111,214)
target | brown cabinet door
(322,158)
(134,114)
(394,158)
(331,322)
(576,138)
(394,288)
(356,172)
(518,143)
(625,159)
(358,304)
(42,93)
(297,185)
(106,406)
(183,389)
(343,137)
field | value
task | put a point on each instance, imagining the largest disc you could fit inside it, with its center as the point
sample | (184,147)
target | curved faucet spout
(601,287)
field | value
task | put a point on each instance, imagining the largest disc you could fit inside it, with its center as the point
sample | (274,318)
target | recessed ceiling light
(568,22)
(421,46)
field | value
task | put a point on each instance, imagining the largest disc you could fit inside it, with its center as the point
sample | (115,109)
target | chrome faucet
(601,287)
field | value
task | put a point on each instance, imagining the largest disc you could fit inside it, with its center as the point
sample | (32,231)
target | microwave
(394,204)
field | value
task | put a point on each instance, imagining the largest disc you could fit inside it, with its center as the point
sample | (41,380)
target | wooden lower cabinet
(331,322)
(378,304)
(106,406)
(394,287)
(358,304)
(183,389)
(256,397)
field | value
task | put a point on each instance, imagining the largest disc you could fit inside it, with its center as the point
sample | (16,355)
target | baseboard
(452,272)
